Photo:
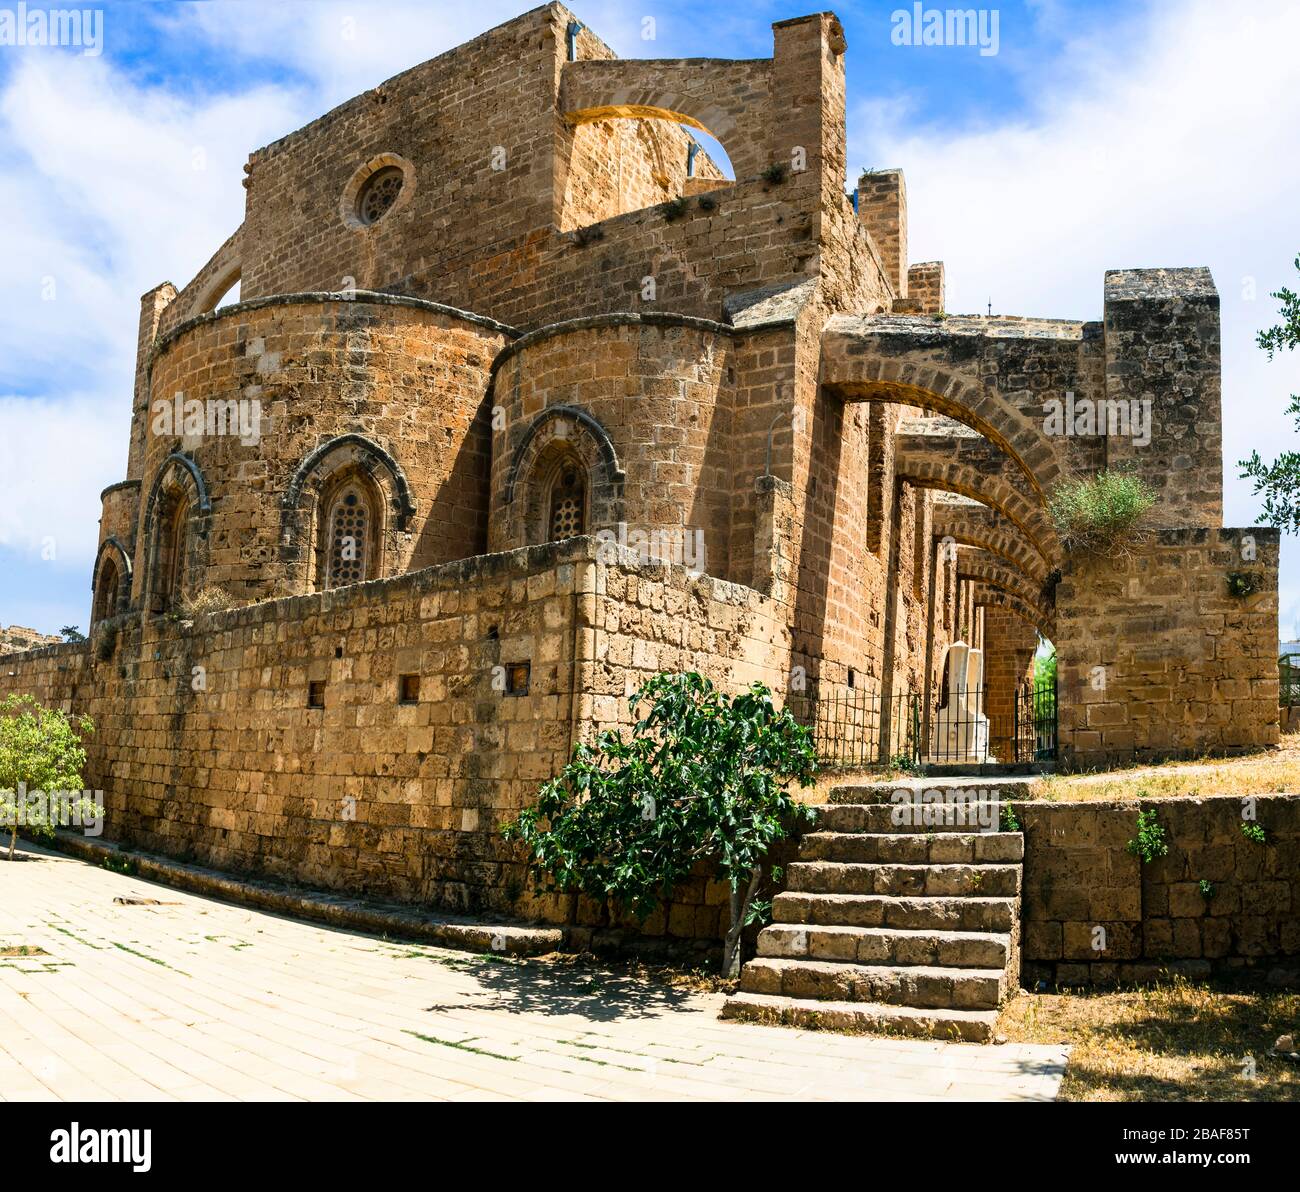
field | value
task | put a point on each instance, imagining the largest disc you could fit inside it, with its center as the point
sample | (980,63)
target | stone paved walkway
(194,999)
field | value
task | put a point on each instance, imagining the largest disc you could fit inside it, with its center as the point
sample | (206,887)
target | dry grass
(1176,1041)
(1268,772)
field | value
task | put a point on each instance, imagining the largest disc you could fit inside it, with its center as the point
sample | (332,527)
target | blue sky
(1098,136)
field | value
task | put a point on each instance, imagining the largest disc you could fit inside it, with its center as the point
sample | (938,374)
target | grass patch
(1101,514)
(1268,772)
(10,951)
(465,1046)
(150,959)
(1174,1041)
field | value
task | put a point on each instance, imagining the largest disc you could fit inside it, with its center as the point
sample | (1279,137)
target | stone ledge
(485,934)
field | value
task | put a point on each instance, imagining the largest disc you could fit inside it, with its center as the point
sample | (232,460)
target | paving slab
(197,999)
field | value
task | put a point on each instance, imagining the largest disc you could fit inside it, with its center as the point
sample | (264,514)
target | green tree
(1044,664)
(1279,482)
(703,778)
(40,750)
(72,633)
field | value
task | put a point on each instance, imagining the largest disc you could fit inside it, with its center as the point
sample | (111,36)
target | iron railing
(1288,691)
(1035,734)
(859,728)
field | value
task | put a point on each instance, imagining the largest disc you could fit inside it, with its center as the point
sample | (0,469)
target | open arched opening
(620,161)
(224,291)
(170,550)
(107,589)
(176,523)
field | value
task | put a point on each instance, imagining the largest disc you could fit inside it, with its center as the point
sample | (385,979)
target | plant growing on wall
(674,209)
(703,778)
(1102,514)
(1279,482)
(40,751)
(1256,833)
(1150,841)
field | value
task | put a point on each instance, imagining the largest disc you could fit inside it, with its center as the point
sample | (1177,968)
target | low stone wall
(1092,913)
(1157,658)
(208,749)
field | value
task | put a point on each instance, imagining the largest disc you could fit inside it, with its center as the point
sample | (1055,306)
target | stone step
(838,877)
(906,790)
(913,848)
(880,817)
(886,945)
(971,1026)
(960,913)
(924,987)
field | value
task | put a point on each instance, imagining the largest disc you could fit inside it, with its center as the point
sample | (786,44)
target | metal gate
(1034,732)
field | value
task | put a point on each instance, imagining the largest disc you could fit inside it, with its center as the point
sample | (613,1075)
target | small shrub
(1243,583)
(708,203)
(1101,515)
(1256,833)
(1207,889)
(206,600)
(72,633)
(702,778)
(674,209)
(775,173)
(107,643)
(1009,821)
(904,763)
(1151,841)
(41,749)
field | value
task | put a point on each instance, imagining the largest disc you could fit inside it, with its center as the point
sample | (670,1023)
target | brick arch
(300,506)
(974,563)
(995,598)
(985,592)
(561,431)
(862,364)
(985,527)
(727,99)
(1030,520)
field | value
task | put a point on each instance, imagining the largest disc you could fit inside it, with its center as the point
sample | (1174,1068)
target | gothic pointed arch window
(170,550)
(349,532)
(107,589)
(567,501)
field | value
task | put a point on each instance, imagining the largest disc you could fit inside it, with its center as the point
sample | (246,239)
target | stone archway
(177,517)
(558,433)
(315,477)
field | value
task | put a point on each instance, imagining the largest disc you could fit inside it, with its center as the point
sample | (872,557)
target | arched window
(567,516)
(348,540)
(169,565)
(106,590)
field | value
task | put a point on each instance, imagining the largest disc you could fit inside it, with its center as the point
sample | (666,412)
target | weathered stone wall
(321,368)
(16,638)
(1078,878)
(661,391)
(498,176)
(1156,657)
(1009,645)
(206,748)
(1162,355)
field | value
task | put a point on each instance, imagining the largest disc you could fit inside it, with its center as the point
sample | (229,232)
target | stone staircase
(908,930)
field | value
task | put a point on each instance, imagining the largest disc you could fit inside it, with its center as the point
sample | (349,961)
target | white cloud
(1165,141)
(104,198)
(56,456)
